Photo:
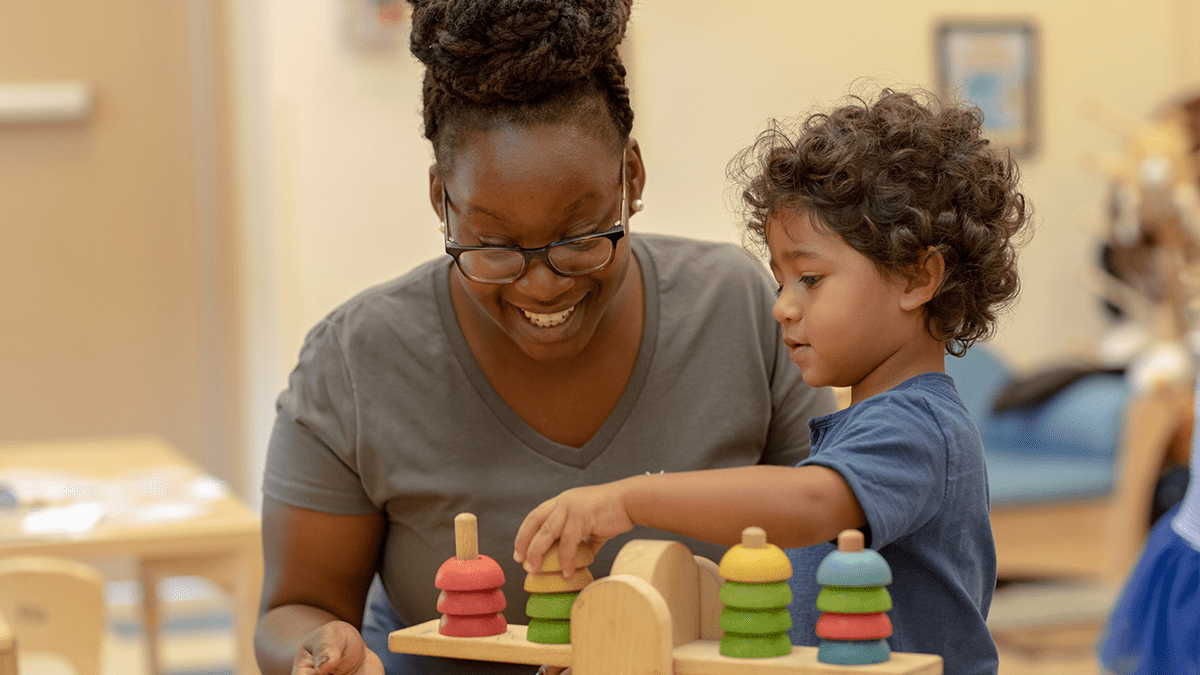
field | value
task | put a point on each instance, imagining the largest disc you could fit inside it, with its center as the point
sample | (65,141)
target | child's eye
(810,281)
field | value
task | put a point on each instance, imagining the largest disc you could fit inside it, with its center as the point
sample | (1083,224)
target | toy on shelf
(756,596)
(471,601)
(853,626)
(656,613)
(551,595)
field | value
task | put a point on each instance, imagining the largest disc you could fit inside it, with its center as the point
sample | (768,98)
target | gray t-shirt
(388,410)
(915,462)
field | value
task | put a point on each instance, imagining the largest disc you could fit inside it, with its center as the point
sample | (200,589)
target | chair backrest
(54,606)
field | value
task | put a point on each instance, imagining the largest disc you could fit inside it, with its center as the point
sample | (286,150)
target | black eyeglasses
(571,257)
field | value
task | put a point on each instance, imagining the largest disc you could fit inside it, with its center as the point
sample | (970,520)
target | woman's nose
(542,283)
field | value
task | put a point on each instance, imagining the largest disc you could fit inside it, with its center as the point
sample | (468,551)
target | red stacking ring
(472,626)
(471,603)
(835,626)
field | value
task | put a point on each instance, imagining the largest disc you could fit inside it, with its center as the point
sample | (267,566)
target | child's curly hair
(893,177)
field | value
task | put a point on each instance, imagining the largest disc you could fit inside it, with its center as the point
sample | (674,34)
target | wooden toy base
(656,614)
(699,657)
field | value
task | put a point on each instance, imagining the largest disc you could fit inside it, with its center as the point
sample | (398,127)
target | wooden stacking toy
(471,601)
(755,595)
(551,595)
(853,626)
(659,612)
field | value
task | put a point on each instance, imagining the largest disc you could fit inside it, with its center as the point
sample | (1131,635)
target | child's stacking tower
(471,601)
(854,626)
(551,595)
(755,594)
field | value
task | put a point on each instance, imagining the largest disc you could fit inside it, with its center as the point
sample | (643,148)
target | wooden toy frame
(657,613)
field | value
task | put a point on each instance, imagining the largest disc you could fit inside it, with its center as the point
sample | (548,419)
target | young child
(890,226)
(1155,624)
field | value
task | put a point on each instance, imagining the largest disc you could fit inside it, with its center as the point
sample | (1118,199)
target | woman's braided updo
(523,62)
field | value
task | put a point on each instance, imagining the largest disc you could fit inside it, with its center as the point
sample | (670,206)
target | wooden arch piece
(671,568)
(620,625)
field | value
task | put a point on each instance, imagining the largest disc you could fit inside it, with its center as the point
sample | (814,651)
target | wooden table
(223,544)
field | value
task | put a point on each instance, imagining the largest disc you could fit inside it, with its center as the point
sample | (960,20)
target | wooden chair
(54,606)
(8,649)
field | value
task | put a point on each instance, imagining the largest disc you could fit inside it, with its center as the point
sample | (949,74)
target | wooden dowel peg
(466,537)
(754,537)
(851,541)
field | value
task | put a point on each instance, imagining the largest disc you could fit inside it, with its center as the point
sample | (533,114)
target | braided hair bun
(519,59)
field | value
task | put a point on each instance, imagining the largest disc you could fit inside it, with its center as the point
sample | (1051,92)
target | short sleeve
(311,454)
(894,457)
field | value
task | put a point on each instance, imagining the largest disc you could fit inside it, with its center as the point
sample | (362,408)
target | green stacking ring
(549,631)
(766,622)
(846,600)
(755,596)
(755,646)
(550,605)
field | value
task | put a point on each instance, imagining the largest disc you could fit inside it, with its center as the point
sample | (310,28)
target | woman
(552,348)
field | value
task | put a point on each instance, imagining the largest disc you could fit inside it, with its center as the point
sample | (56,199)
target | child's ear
(925,280)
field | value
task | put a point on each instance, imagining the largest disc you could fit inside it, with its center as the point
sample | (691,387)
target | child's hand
(594,514)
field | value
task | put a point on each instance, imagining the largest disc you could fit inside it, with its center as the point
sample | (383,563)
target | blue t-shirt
(915,462)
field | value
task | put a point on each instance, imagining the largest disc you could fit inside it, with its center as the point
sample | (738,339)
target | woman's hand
(594,514)
(335,648)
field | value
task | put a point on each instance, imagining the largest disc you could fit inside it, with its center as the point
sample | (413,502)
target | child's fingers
(550,532)
(529,527)
(574,532)
(537,534)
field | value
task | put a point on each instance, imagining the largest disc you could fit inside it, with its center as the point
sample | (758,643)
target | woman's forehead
(557,159)
(514,149)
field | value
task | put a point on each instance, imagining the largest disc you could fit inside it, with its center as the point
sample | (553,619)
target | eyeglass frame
(613,234)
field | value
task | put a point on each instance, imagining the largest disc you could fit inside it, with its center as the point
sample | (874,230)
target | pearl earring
(638,205)
(442,227)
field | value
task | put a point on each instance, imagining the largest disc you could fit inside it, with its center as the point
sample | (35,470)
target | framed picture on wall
(993,64)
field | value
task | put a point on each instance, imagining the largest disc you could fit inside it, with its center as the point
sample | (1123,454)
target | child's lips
(793,343)
(795,348)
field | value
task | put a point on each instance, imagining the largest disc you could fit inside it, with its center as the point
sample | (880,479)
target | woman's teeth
(548,320)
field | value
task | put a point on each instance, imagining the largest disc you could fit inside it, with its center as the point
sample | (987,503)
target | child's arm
(797,506)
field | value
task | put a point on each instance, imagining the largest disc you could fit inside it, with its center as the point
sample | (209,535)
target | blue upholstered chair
(1070,478)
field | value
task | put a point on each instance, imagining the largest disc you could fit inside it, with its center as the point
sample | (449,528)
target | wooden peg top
(754,537)
(851,541)
(466,537)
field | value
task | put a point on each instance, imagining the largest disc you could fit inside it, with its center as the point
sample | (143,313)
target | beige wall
(335,172)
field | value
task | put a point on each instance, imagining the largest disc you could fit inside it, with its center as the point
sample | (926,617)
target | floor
(1040,629)
(1049,628)
(1065,650)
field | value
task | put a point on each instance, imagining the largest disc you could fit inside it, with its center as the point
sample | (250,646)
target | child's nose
(787,307)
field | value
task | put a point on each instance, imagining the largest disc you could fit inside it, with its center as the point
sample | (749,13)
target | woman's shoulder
(401,305)
(673,257)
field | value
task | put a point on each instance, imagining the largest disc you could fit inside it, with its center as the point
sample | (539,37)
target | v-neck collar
(564,454)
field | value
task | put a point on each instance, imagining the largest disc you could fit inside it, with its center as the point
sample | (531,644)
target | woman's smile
(548,320)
